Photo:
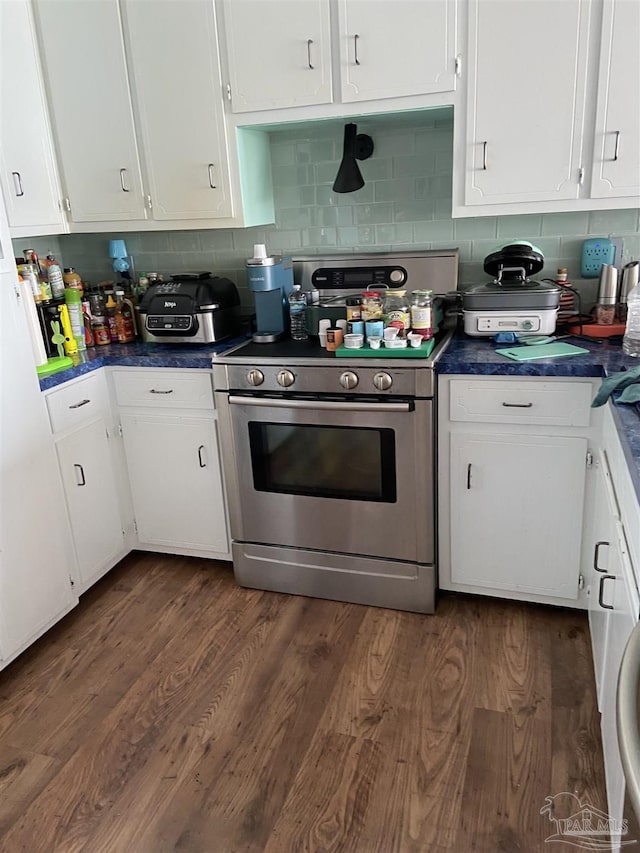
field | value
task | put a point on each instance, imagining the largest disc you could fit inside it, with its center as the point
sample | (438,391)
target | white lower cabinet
(91,492)
(170,439)
(516,512)
(512,457)
(610,551)
(80,416)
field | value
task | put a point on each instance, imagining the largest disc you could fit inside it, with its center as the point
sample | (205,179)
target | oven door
(352,475)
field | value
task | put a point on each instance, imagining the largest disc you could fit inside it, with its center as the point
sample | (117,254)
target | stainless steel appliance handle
(627,716)
(323,405)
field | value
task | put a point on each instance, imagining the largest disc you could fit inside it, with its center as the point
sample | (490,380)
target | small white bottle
(297,313)
(631,340)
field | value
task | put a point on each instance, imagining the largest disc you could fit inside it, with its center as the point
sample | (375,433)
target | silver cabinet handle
(596,553)
(210,173)
(17,180)
(154,391)
(517,405)
(484,156)
(601,592)
(469,476)
(309,63)
(355,49)
(78,405)
(320,405)
(80,469)
(627,716)
(200,459)
(616,150)
(123,174)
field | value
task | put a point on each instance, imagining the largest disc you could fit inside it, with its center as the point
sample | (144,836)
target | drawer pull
(601,590)
(596,553)
(469,476)
(78,405)
(155,391)
(17,180)
(517,405)
(309,62)
(80,469)
(200,459)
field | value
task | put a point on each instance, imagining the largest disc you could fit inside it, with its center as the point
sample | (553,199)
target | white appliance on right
(511,301)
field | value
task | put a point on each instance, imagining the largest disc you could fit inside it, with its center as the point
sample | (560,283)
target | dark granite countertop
(478,357)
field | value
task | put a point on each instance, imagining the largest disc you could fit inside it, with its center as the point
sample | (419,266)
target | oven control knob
(382,381)
(396,276)
(255,377)
(349,380)
(285,378)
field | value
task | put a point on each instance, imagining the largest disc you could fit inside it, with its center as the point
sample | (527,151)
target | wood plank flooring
(175,711)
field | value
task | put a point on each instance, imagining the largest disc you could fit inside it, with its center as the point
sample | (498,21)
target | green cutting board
(384,352)
(542,351)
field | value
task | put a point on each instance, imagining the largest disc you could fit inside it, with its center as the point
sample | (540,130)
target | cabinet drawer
(513,402)
(166,388)
(78,403)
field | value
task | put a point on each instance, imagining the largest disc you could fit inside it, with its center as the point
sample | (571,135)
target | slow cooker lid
(519,255)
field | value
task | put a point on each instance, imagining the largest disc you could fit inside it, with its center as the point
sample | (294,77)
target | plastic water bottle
(631,340)
(297,312)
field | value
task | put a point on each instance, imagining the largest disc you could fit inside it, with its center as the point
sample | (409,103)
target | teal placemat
(384,352)
(541,351)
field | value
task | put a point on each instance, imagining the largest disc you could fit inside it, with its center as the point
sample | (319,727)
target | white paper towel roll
(31,313)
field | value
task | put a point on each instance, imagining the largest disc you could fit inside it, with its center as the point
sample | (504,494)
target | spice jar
(371,305)
(354,309)
(422,313)
(397,311)
(335,336)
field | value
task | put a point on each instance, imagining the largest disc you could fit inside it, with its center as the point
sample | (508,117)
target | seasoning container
(371,306)
(422,313)
(396,311)
(72,279)
(335,336)
(605,309)
(100,331)
(354,309)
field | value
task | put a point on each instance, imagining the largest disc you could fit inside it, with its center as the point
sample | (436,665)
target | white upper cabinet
(176,83)
(527,69)
(394,49)
(27,163)
(85,70)
(616,166)
(278,53)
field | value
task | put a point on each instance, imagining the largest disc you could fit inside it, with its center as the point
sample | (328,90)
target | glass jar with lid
(371,305)
(422,313)
(396,311)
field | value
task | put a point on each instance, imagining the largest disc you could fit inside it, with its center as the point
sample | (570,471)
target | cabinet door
(516,512)
(92,499)
(179,104)
(278,53)
(27,163)
(598,555)
(616,166)
(619,593)
(175,479)
(35,546)
(390,50)
(526,79)
(86,74)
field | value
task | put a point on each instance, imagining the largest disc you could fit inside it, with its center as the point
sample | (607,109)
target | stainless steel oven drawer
(339,577)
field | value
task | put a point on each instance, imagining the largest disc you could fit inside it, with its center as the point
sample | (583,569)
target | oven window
(352,463)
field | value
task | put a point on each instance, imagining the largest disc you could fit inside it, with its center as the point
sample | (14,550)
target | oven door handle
(323,405)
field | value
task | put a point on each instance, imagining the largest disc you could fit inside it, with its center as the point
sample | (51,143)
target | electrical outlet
(595,252)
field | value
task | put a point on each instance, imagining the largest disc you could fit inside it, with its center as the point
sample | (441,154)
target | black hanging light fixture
(357,146)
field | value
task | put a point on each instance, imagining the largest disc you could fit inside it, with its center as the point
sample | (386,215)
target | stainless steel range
(330,468)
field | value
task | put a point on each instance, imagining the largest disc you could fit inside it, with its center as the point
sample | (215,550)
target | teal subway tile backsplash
(405,205)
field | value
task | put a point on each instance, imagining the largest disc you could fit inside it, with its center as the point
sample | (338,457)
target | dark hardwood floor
(174,710)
